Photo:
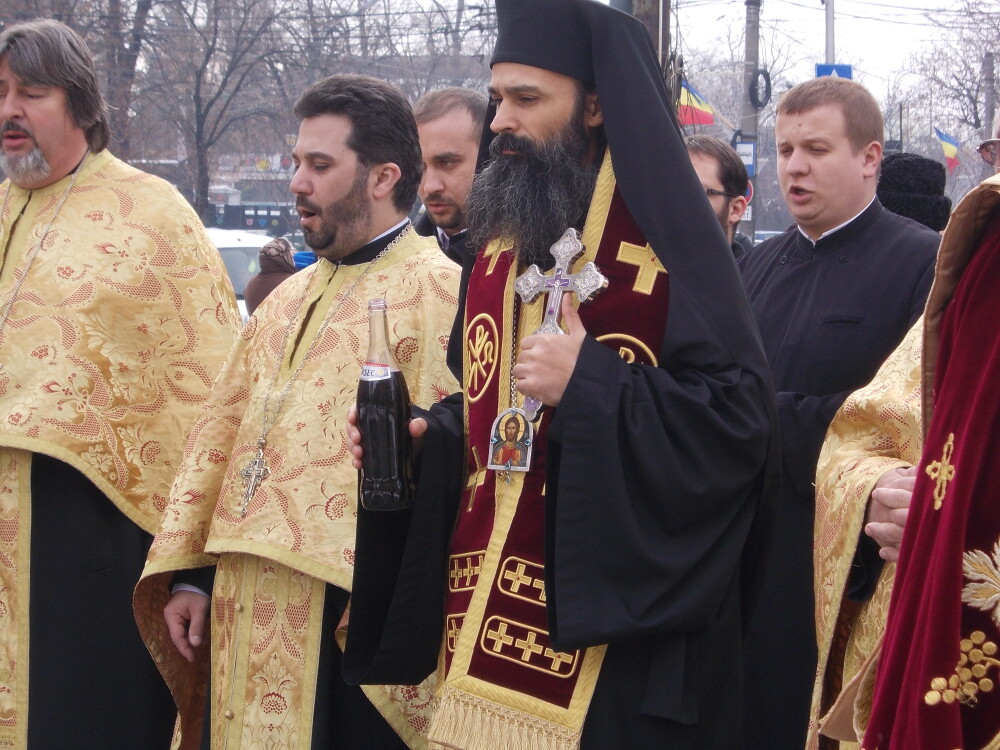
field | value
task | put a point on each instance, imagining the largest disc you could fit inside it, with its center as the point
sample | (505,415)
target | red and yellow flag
(950,147)
(693,108)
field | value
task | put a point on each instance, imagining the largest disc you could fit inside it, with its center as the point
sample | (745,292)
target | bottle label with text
(375,371)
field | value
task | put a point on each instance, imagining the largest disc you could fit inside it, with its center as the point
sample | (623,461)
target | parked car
(765,234)
(240,252)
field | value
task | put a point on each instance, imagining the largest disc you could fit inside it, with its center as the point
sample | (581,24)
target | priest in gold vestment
(870,449)
(266,495)
(115,318)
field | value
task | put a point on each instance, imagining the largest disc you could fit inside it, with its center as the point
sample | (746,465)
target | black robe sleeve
(397,601)
(652,486)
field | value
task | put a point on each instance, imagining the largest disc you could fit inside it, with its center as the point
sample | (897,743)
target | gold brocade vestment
(115,336)
(298,531)
(877,429)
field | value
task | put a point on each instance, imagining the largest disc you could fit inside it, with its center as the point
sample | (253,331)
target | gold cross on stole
(499,637)
(528,646)
(558,658)
(648,264)
(517,578)
(942,471)
(493,251)
(476,479)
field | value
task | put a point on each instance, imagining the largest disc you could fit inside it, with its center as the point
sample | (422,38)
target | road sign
(837,71)
(746,151)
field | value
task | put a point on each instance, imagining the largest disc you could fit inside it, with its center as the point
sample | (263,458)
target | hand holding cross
(547,356)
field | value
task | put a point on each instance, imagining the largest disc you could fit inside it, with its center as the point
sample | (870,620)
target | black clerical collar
(446,240)
(368,252)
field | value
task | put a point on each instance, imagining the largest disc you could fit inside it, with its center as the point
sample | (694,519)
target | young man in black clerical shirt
(450,126)
(832,297)
(591,596)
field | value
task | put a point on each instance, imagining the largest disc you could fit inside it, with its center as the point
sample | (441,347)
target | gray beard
(533,197)
(27,169)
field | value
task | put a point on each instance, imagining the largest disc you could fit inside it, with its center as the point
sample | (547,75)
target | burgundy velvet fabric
(938,682)
(517,602)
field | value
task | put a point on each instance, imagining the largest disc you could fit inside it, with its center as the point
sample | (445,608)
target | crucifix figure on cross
(585,284)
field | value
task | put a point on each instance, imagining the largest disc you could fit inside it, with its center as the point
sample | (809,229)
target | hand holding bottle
(418,426)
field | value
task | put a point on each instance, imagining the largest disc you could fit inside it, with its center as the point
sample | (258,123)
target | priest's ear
(383,179)
(593,116)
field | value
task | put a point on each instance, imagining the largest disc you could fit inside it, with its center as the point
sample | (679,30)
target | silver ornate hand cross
(585,284)
(253,474)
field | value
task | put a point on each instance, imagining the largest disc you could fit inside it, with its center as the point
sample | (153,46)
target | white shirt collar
(837,228)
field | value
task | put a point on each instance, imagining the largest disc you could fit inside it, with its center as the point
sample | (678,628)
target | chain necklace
(257,470)
(33,253)
(513,349)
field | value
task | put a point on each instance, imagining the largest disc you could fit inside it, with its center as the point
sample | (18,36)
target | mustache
(13,127)
(308,205)
(531,196)
(439,198)
(510,142)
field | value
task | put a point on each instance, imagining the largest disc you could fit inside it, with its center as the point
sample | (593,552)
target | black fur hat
(913,186)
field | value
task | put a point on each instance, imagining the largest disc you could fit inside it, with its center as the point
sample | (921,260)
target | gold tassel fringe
(467,722)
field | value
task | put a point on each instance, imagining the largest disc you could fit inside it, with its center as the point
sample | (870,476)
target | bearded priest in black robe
(593,596)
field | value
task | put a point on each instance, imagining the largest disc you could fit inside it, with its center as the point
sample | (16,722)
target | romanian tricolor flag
(693,109)
(950,147)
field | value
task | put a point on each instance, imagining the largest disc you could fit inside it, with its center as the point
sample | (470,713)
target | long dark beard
(532,197)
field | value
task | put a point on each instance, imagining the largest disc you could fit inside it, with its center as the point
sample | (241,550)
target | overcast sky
(875,37)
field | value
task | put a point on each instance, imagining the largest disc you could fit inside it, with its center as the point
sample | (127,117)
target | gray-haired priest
(115,318)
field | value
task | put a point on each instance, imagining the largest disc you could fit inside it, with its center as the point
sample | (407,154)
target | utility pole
(989,103)
(989,97)
(831,58)
(655,14)
(748,121)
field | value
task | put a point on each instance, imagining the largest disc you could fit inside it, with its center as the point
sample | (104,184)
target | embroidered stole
(506,686)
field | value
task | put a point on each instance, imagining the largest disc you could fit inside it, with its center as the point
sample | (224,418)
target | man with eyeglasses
(724,177)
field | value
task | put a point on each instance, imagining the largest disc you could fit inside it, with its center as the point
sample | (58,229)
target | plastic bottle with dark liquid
(386,477)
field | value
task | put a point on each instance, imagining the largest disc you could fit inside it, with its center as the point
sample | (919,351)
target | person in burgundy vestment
(594,599)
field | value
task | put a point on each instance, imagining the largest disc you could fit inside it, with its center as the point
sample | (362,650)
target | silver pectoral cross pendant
(585,284)
(253,474)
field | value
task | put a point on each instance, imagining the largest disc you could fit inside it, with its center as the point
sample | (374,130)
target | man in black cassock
(593,599)
(450,126)
(832,296)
